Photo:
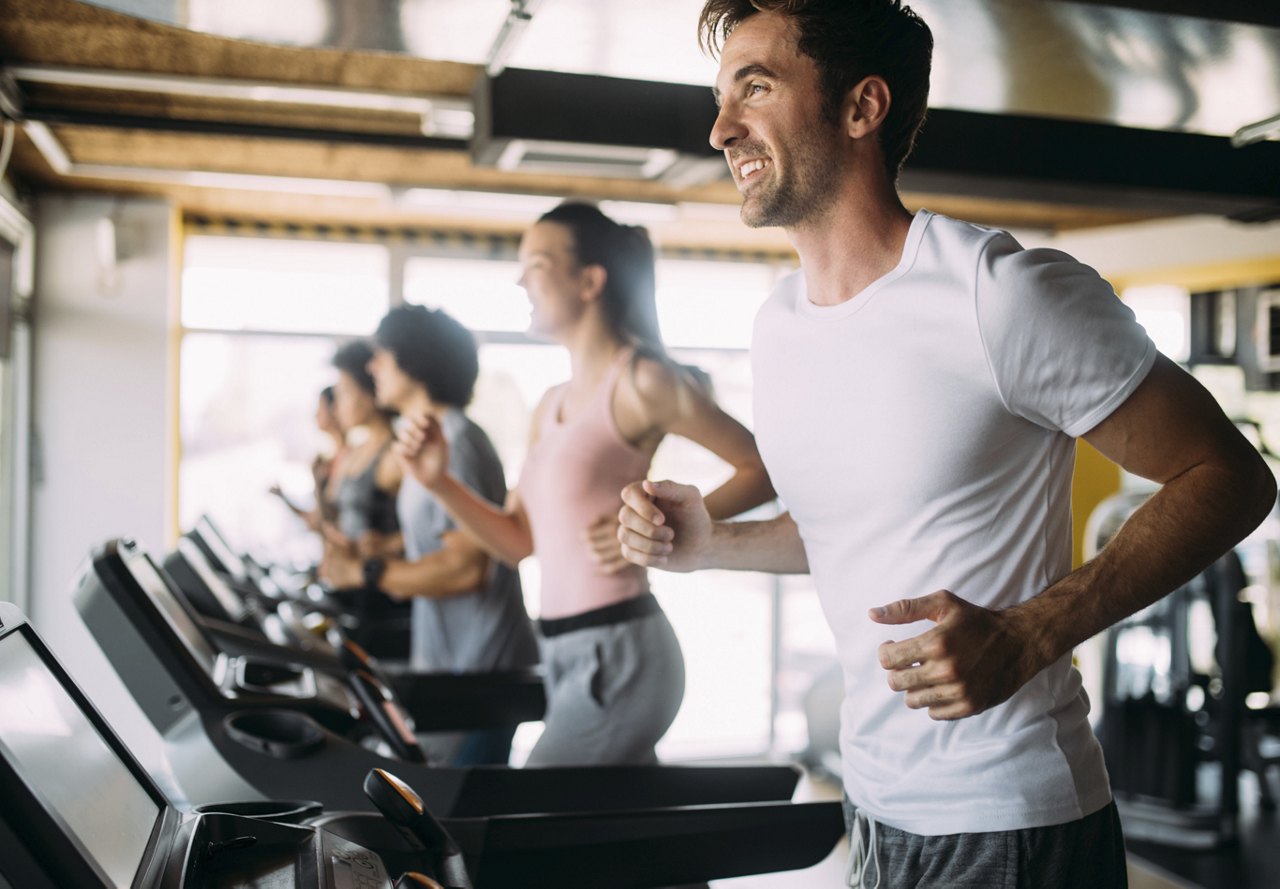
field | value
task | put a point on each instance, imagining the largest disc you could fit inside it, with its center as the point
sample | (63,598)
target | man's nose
(727,130)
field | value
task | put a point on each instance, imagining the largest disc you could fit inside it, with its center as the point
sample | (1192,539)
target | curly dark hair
(849,40)
(433,348)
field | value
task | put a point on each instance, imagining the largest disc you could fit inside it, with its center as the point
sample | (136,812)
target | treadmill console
(220,601)
(148,631)
(85,797)
(218,550)
(80,811)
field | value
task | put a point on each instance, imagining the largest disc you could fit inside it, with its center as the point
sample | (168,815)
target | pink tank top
(573,474)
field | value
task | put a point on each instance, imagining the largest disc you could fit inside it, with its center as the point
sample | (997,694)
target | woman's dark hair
(627,255)
(326,395)
(353,358)
(434,349)
(850,40)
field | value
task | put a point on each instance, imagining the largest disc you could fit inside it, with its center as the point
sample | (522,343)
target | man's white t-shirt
(922,436)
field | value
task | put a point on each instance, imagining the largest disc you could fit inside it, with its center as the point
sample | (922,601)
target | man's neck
(857,241)
(419,402)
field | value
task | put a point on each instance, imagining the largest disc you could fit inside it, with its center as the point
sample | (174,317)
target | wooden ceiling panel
(410,167)
(69,33)
(64,32)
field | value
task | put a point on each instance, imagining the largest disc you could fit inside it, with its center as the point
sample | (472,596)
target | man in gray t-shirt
(468,609)
(485,630)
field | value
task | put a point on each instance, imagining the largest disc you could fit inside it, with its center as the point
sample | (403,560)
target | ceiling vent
(548,122)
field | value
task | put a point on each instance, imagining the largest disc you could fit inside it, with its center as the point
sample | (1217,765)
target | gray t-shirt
(474,632)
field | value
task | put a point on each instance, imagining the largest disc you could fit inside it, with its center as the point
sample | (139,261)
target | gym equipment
(81,811)
(243,620)
(1174,725)
(659,824)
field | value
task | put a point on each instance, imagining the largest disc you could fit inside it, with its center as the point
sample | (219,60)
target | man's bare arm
(666,525)
(458,567)
(1215,490)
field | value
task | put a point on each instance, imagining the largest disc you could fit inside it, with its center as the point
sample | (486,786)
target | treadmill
(723,820)
(379,623)
(242,620)
(80,811)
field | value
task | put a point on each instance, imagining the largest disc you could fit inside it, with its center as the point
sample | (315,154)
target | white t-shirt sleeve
(1064,351)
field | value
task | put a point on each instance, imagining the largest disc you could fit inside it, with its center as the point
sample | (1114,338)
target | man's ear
(866,106)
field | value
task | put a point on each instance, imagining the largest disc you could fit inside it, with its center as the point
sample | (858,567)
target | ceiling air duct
(548,122)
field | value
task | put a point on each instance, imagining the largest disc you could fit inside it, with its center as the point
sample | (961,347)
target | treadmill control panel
(79,810)
(107,812)
(352,866)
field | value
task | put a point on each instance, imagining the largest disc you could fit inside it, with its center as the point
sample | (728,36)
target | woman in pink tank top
(614,672)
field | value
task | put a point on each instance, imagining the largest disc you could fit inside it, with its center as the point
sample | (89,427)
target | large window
(262,318)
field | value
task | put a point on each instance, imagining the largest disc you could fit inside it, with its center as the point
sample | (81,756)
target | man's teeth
(748,168)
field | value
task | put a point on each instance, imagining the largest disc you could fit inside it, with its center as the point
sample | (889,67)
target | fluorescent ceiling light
(1257,132)
(476,203)
(442,116)
(509,35)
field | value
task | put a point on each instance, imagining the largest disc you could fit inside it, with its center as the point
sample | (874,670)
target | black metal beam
(1077,162)
(587,109)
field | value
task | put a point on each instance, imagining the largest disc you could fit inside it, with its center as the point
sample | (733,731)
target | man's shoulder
(953,241)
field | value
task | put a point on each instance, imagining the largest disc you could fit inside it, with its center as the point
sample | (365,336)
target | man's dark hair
(354,358)
(849,40)
(434,349)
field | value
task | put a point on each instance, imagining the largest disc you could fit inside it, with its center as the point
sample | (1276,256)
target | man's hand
(423,449)
(971,660)
(601,537)
(663,525)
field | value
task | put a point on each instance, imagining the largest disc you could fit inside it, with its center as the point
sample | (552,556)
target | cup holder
(288,811)
(281,734)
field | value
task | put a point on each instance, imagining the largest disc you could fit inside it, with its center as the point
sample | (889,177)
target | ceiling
(1044,114)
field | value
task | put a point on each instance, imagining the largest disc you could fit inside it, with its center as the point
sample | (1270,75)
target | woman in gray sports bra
(368,479)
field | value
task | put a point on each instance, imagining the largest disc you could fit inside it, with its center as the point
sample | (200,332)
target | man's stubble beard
(806,191)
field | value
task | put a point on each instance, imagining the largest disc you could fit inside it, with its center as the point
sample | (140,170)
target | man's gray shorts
(1084,854)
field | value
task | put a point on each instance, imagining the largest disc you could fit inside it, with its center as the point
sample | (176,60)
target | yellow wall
(1096,478)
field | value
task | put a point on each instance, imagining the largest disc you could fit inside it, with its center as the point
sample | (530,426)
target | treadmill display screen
(232,604)
(222,550)
(59,753)
(157,590)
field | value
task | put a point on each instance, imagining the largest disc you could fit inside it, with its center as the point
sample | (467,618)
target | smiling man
(920,384)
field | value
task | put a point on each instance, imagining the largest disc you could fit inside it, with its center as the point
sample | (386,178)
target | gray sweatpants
(1084,853)
(612,693)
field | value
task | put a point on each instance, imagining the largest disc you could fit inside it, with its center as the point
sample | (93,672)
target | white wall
(102,430)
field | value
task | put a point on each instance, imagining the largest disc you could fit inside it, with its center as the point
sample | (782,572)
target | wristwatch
(373,569)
